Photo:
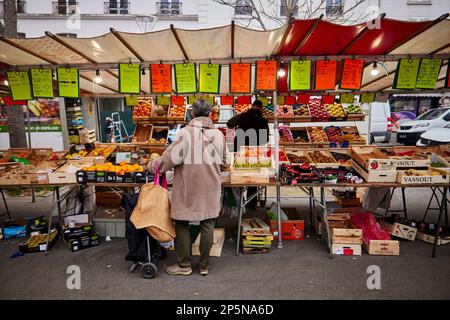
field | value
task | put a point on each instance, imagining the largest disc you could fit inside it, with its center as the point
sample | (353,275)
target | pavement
(300,270)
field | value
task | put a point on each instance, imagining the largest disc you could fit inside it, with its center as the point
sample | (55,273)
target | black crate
(81,177)
(128,177)
(41,246)
(81,243)
(111,176)
(142,177)
(100,177)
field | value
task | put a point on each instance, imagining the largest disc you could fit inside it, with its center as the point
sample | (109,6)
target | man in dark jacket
(252,129)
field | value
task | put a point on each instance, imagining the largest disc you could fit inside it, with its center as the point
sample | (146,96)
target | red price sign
(352,74)
(244,100)
(303,98)
(161,78)
(178,100)
(289,100)
(266,75)
(227,100)
(240,78)
(327,99)
(325,75)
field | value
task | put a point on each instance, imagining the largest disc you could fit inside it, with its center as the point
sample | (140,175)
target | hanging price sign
(68,82)
(290,100)
(244,100)
(264,101)
(300,75)
(280,100)
(428,73)
(163,100)
(42,82)
(327,99)
(161,78)
(266,75)
(19,85)
(185,78)
(367,98)
(131,101)
(240,78)
(325,75)
(209,80)
(129,78)
(227,100)
(303,98)
(352,74)
(346,98)
(178,100)
(406,75)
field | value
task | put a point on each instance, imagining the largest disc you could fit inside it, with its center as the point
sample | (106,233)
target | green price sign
(19,85)
(131,101)
(4,129)
(280,100)
(346,98)
(163,101)
(68,82)
(185,78)
(428,73)
(367,97)
(209,80)
(406,75)
(264,100)
(129,78)
(300,75)
(192,99)
(42,83)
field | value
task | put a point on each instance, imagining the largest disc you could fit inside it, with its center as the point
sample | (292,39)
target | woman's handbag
(153,210)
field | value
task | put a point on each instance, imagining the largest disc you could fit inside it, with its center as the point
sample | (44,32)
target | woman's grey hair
(201,108)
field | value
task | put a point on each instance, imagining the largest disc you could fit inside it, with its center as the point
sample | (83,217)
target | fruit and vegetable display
(120,169)
(340,175)
(352,136)
(317,135)
(438,165)
(340,157)
(300,110)
(102,151)
(268,112)
(421,173)
(44,108)
(284,111)
(176,112)
(215,113)
(335,110)
(160,111)
(334,134)
(293,158)
(76,155)
(300,135)
(251,162)
(143,109)
(318,111)
(297,174)
(239,108)
(159,135)
(320,157)
(38,155)
(352,109)
(285,134)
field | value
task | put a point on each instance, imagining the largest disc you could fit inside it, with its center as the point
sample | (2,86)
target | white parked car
(435,136)
(380,122)
(410,132)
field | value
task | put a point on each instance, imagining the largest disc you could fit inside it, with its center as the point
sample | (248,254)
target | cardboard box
(110,222)
(399,230)
(82,242)
(38,243)
(80,230)
(382,247)
(346,249)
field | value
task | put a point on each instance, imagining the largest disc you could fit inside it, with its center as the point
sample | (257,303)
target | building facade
(88,18)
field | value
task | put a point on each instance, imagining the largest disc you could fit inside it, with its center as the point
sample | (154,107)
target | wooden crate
(216,249)
(38,155)
(297,153)
(345,235)
(255,250)
(255,227)
(345,153)
(399,230)
(346,249)
(40,173)
(375,175)
(352,136)
(67,173)
(425,177)
(87,136)
(370,158)
(382,247)
(430,238)
(298,132)
(311,129)
(444,151)
(142,133)
(416,159)
(250,176)
(323,152)
(158,133)
(171,113)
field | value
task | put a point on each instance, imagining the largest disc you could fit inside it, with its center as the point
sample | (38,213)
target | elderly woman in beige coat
(196,155)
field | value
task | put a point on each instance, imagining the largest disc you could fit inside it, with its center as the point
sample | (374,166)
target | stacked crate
(345,240)
(256,236)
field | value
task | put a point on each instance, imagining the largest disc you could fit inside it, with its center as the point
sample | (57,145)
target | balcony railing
(118,7)
(334,10)
(169,8)
(64,9)
(21,7)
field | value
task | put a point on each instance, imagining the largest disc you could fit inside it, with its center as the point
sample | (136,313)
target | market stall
(293,70)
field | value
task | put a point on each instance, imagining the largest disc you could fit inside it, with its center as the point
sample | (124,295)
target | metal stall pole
(370,123)
(33,195)
(242,190)
(277,166)
(6,206)
(442,207)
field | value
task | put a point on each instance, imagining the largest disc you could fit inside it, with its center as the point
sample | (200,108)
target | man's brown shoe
(176,270)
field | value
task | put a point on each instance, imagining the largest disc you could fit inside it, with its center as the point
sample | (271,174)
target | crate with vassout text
(430,176)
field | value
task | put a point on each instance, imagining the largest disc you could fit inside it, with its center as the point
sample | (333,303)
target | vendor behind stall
(196,155)
(252,129)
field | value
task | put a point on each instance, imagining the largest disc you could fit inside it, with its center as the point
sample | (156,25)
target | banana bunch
(35,107)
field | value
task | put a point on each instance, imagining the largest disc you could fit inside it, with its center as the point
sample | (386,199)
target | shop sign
(240,78)
(42,82)
(19,85)
(266,75)
(185,78)
(428,73)
(325,75)
(352,74)
(209,78)
(68,82)
(300,75)
(129,78)
(406,75)
(161,78)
